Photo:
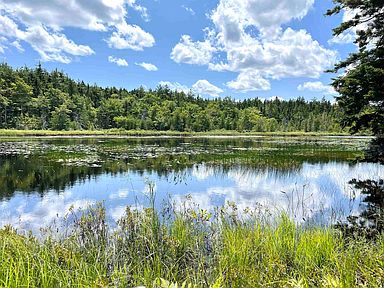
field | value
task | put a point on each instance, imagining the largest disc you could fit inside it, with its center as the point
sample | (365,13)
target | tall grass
(190,248)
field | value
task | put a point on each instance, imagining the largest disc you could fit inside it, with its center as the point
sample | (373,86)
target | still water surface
(40,179)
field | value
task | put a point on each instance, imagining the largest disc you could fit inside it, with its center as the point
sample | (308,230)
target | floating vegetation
(92,162)
(42,164)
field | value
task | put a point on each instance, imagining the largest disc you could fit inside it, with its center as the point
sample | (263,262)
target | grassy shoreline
(149,133)
(192,251)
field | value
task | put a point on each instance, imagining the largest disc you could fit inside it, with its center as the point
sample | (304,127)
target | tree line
(40,99)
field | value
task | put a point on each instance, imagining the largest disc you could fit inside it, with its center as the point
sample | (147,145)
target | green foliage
(60,118)
(38,99)
(189,251)
(361,86)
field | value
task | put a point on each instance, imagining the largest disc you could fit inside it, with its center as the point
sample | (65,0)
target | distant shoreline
(116,133)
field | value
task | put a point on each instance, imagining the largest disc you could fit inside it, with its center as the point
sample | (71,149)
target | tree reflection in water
(375,151)
(370,222)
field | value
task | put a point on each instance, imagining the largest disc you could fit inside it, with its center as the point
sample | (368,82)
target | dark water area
(42,178)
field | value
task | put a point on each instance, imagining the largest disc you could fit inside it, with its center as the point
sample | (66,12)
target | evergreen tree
(361,86)
(38,99)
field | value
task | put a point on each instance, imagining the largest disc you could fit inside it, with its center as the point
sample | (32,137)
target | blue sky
(217,48)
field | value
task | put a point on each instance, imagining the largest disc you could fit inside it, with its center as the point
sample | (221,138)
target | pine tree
(361,86)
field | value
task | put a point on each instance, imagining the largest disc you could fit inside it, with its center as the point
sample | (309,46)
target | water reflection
(370,221)
(313,191)
(307,179)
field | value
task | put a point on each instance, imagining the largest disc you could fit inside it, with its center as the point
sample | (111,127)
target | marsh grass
(190,248)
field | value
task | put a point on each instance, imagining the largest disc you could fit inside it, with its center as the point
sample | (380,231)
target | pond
(42,178)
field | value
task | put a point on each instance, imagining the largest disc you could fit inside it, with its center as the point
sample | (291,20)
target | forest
(38,99)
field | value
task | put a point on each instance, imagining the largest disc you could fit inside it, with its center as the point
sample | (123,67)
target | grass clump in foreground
(190,249)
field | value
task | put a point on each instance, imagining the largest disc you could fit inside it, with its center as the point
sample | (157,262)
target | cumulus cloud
(232,16)
(249,81)
(201,86)
(118,61)
(9,28)
(204,87)
(343,38)
(317,86)
(250,35)
(89,15)
(147,66)
(348,36)
(51,45)
(41,23)
(176,86)
(96,15)
(141,9)
(130,37)
(190,52)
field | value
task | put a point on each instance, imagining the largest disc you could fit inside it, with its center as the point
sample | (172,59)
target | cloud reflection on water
(314,190)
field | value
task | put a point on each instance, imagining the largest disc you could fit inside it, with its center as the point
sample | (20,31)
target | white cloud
(89,15)
(249,34)
(348,36)
(202,172)
(96,15)
(142,10)
(343,38)
(31,215)
(54,46)
(176,86)
(232,16)
(289,54)
(8,27)
(41,20)
(147,66)
(121,194)
(118,61)
(204,87)
(3,45)
(118,212)
(190,52)
(249,81)
(17,45)
(51,45)
(305,194)
(317,86)
(130,37)
(274,98)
